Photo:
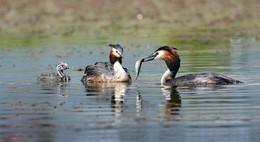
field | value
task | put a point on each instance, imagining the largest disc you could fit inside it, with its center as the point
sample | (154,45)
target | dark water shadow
(203,87)
(40,135)
(172,102)
(54,87)
(170,107)
(114,90)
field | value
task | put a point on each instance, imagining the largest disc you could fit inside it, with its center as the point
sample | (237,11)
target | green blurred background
(170,21)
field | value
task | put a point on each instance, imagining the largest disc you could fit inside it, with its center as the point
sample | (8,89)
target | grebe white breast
(108,72)
(172,60)
(58,76)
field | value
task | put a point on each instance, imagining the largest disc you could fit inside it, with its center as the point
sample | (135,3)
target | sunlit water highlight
(140,111)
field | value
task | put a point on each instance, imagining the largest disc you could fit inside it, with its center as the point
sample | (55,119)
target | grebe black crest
(172,60)
(58,76)
(108,72)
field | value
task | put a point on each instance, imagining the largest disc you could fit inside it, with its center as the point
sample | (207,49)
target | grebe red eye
(118,53)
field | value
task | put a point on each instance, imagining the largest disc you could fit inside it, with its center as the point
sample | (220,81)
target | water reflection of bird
(58,76)
(172,60)
(52,87)
(103,88)
(117,91)
(62,89)
(108,72)
(173,100)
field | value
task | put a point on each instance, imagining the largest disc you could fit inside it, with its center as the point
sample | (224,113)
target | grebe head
(116,53)
(166,53)
(61,66)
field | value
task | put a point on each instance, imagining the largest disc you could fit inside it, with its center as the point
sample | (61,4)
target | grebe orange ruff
(172,60)
(108,72)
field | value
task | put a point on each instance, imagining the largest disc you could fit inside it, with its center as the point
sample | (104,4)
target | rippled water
(140,111)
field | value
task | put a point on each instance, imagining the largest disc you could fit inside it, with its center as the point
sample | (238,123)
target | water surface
(140,111)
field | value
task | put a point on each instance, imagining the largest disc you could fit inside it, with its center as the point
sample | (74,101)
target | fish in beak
(139,62)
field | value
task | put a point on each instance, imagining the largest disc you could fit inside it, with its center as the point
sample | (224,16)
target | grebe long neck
(113,58)
(61,73)
(119,72)
(173,65)
(63,76)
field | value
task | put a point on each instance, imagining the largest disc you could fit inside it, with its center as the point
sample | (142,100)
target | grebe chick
(108,72)
(58,76)
(172,60)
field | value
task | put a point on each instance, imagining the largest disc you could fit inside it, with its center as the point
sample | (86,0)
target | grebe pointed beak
(65,67)
(119,54)
(149,58)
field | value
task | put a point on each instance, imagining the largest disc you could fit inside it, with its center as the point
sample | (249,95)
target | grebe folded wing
(203,79)
(98,71)
(99,67)
(48,76)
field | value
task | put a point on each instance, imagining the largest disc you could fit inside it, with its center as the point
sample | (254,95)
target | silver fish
(138,65)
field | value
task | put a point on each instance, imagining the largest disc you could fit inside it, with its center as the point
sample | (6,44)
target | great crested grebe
(58,76)
(172,60)
(108,72)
